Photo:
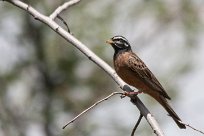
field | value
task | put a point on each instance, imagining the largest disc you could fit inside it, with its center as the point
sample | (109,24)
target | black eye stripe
(122,41)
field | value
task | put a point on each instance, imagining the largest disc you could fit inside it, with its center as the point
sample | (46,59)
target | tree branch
(91,107)
(148,116)
(92,56)
(63,7)
(137,124)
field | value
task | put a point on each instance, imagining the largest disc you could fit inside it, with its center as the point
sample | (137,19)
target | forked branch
(63,7)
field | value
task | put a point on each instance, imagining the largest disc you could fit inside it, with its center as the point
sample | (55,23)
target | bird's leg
(130,93)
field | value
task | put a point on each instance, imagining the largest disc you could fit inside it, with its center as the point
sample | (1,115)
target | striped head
(119,43)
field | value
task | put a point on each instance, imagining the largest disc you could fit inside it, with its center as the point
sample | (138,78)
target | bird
(134,72)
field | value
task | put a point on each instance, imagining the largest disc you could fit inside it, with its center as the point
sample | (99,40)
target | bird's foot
(130,94)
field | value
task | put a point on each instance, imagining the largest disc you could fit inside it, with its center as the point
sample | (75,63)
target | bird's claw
(130,94)
(123,95)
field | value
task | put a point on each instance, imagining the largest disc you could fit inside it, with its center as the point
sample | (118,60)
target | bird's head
(119,43)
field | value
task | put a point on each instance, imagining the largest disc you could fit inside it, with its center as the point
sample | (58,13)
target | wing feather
(138,66)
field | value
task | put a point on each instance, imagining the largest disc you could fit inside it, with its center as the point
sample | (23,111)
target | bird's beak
(109,41)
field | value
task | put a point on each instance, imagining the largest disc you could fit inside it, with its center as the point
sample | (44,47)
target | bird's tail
(171,112)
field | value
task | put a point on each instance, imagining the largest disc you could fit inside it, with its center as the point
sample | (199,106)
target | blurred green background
(45,81)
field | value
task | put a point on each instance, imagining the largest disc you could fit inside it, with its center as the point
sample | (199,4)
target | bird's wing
(142,71)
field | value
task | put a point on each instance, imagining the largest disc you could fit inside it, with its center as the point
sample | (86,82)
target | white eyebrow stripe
(119,37)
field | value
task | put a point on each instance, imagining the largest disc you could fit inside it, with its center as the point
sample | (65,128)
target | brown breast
(122,69)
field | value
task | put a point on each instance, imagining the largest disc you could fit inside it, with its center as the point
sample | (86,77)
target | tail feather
(171,112)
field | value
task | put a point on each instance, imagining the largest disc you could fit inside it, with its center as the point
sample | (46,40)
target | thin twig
(63,7)
(91,107)
(187,125)
(193,128)
(64,22)
(137,124)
